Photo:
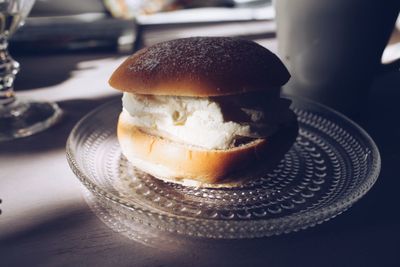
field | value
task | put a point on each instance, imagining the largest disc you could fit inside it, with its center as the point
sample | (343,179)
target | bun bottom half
(178,163)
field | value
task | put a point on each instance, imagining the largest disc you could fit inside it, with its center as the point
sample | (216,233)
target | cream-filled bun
(204,111)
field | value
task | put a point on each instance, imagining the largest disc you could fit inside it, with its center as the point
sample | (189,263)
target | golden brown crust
(200,66)
(200,165)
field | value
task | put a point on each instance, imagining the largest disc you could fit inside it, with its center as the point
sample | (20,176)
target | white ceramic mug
(333,48)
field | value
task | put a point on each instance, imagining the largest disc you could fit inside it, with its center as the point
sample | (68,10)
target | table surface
(45,221)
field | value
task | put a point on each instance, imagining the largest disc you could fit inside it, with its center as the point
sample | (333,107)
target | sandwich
(204,111)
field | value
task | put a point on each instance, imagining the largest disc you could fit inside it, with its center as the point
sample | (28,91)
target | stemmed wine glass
(18,118)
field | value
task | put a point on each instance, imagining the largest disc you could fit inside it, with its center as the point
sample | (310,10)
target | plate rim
(313,216)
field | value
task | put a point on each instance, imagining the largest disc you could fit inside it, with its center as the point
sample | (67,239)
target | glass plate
(332,164)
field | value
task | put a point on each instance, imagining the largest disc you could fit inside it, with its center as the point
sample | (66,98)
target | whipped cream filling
(209,123)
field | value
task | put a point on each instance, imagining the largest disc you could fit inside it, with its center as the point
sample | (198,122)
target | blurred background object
(124,25)
(131,8)
(62,26)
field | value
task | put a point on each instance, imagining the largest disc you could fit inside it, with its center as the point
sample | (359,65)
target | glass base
(25,118)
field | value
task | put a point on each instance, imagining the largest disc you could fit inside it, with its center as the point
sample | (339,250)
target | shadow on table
(49,70)
(56,136)
(56,237)
(50,226)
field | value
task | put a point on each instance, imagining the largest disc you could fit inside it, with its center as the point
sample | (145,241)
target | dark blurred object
(204,3)
(55,8)
(333,49)
(152,34)
(89,31)
(61,26)
(252,19)
(72,26)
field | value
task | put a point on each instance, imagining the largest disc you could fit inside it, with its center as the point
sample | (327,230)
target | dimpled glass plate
(332,164)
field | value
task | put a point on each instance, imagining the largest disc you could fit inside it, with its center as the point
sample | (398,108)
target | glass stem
(8,70)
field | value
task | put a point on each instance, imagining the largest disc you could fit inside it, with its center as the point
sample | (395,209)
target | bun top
(200,66)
